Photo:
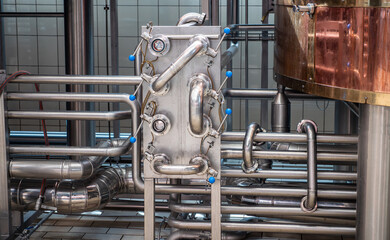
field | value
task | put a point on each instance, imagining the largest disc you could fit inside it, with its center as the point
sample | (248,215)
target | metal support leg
(216,210)
(5,214)
(373,203)
(149,230)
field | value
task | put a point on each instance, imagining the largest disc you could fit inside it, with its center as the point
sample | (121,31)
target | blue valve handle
(133,139)
(229,74)
(132,58)
(211,180)
(226,30)
(228,111)
(132,97)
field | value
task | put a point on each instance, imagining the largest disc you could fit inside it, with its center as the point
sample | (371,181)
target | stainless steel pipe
(309,202)
(265,211)
(83,97)
(70,196)
(100,79)
(249,164)
(290,137)
(197,165)
(191,19)
(58,169)
(70,115)
(286,174)
(228,55)
(199,84)
(199,44)
(292,156)
(266,94)
(264,227)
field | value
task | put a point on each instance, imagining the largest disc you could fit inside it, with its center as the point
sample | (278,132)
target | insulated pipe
(264,227)
(265,211)
(58,169)
(197,165)
(191,19)
(70,115)
(70,196)
(250,164)
(290,137)
(228,55)
(117,80)
(198,44)
(199,85)
(309,203)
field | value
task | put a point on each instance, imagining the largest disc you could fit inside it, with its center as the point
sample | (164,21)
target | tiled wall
(37,45)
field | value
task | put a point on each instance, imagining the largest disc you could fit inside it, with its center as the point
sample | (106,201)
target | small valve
(216,133)
(229,74)
(226,31)
(133,96)
(144,37)
(217,95)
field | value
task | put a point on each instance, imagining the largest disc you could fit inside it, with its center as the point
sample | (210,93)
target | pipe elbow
(198,122)
(248,165)
(191,19)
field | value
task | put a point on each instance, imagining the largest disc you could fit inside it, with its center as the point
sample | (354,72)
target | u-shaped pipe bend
(309,202)
(249,165)
(197,165)
(199,123)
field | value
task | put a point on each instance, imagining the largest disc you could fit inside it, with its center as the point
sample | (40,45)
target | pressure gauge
(159,45)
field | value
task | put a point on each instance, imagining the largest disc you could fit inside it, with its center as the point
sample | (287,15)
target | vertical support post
(346,123)
(215,12)
(2,49)
(246,62)
(5,207)
(114,57)
(373,188)
(264,68)
(79,61)
(216,209)
(149,228)
(233,10)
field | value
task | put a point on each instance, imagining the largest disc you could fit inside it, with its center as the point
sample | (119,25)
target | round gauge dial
(159,45)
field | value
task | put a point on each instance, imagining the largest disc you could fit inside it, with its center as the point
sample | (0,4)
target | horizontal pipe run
(252,27)
(31,14)
(266,94)
(71,151)
(291,156)
(265,211)
(250,191)
(98,116)
(283,174)
(169,169)
(80,151)
(114,80)
(290,137)
(264,227)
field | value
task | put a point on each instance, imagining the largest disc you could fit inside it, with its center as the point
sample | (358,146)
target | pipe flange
(159,45)
(303,206)
(207,125)
(204,40)
(160,125)
(164,90)
(251,169)
(300,127)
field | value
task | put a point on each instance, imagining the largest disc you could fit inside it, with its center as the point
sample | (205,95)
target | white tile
(27,50)
(11,50)
(168,15)
(127,21)
(47,53)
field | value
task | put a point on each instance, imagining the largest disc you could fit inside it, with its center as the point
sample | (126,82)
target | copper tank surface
(338,52)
